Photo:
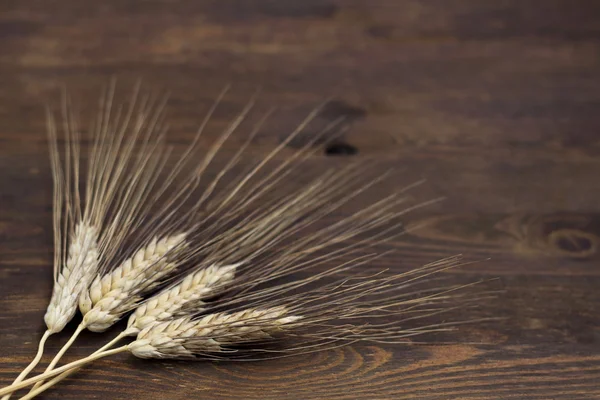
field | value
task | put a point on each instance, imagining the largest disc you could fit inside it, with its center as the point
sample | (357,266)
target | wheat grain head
(188,338)
(111,295)
(81,224)
(73,277)
(192,289)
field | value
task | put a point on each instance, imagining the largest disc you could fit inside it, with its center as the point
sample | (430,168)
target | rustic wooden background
(495,103)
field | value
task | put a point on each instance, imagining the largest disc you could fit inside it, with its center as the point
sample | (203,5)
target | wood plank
(494,103)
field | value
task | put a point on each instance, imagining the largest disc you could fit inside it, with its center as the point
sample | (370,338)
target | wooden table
(496,104)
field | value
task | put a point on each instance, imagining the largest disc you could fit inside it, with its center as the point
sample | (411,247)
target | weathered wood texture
(496,103)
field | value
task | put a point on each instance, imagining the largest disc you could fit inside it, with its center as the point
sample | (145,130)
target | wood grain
(494,103)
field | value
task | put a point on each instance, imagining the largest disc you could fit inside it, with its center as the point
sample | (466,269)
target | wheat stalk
(14,387)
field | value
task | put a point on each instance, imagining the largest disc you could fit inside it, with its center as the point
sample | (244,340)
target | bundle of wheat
(211,269)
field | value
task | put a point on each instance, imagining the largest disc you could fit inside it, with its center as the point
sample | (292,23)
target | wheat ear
(71,274)
(72,278)
(188,338)
(110,156)
(343,300)
(193,289)
(108,186)
(117,292)
(321,318)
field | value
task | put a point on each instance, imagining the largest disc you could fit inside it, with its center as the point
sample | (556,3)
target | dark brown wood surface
(495,103)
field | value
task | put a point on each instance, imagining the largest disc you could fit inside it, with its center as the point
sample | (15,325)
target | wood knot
(340,149)
(573,242)
(329,128)
(567,235)
(575,236)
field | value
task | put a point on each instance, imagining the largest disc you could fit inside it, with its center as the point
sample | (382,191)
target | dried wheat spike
(194,288)
(115,293)
(187,338)
(81,265)
(123,138)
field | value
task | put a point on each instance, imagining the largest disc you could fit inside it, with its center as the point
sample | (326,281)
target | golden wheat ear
(123,138)
(75,240)
(87,190)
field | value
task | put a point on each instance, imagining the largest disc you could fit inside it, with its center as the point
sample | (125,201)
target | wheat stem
(110,344)
(37,389)
(60,370)
(33,362)
(62,351)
